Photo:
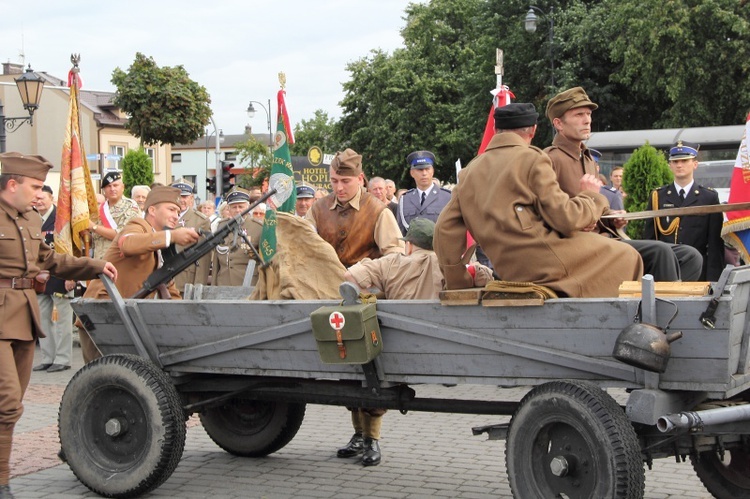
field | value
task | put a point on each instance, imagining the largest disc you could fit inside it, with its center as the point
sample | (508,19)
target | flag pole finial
(282,80)
(75,59)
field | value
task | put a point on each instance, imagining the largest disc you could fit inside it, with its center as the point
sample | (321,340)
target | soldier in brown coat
(509,200)
(22,255)
(135,251)
(190,217)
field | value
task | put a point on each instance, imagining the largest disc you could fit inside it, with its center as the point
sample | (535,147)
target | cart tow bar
(707,318)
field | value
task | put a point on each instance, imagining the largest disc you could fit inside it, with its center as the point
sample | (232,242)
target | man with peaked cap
(24,255)
(532,231)
(358,226)
(570,114)
(190,217)
(136,251)
(426,200)
(702,232)
(305,199)
(230,259)
(114,213)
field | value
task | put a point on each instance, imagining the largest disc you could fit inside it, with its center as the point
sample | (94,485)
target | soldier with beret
(190,217)
(231,258)
(24,255)
(702,232)
(114,213)
(426,200)
(305,199)
(532,231)
(358,226)
(570,114)
(137,249)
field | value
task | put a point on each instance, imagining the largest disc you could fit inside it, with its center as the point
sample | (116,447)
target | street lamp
(30,86)
(530,24)
(208,138)
(251,114)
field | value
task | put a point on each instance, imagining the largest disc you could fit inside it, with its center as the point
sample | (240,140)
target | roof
(707,137)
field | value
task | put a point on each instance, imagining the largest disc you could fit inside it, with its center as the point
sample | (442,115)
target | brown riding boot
(6,442)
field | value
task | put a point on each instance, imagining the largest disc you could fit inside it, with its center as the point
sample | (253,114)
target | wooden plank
(493,301)
(455,297)
(632,289)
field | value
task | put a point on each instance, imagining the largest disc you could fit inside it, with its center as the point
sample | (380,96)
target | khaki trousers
(16,359)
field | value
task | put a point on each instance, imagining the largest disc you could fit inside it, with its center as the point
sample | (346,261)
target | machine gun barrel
(193,253)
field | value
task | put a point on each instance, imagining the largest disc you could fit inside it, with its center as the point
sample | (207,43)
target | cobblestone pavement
(425,455)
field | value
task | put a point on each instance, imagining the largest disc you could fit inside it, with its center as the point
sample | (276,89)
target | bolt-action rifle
(192,254)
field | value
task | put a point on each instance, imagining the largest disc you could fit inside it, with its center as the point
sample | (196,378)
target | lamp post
(217,150)
(208,138)
(30,86)
(251,114)
(530,24)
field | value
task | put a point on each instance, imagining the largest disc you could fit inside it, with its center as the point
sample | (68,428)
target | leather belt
(17,283)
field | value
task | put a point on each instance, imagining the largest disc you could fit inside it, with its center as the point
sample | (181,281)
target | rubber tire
(590,428)
(731,481)
(252,428)
(142,397)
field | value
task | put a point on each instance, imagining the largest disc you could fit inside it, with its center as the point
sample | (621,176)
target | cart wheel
(252,428)
(571,439)
(725,479)
(122,426)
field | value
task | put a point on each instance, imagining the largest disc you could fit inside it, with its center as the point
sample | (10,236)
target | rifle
(179,262)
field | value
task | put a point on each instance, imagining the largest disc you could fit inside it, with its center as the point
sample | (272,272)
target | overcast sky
(235,48)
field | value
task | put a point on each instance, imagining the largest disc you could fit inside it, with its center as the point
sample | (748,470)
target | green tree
(256,158)
(646,170)
(137,169)
(163,104)
(319,131)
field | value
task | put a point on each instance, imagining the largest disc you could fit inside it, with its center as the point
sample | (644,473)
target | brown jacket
(198,273)
(24,254)
(510,201)
(135,259)
(230,259)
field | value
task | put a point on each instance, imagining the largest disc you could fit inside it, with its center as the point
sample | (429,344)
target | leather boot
(355,447)
(371,456)
(5,492)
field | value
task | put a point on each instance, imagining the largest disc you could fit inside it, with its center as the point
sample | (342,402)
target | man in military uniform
(570,115)
(358,226)
(702,232)
(305,199)
(426,200)
(231,258)
(114,213)
(24,256)
(190,217)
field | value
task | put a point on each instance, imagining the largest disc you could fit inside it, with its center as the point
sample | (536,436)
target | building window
(230,156)
(176,157)
(151,152)
(116,153)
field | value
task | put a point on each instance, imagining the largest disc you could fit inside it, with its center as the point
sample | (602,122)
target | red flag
(502,96)
(283,113)
(76,198)
(736,230)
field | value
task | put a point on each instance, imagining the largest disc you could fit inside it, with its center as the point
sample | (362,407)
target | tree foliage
(256,158)
(319,131)
(163,104)
(137,169)
(646,170)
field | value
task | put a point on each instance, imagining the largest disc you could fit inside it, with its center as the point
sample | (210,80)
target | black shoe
(355,447)
(56,368)
(5,492)
(42,367)
(371,456)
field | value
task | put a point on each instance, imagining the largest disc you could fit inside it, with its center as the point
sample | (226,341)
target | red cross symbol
(336,320)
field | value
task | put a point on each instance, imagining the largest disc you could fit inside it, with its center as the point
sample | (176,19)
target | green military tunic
(230,259)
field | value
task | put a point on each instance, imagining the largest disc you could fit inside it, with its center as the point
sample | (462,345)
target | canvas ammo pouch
(347,334)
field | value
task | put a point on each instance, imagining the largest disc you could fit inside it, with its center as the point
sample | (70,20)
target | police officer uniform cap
(596,154)
(684,150)
(110,177)
(305,191)
(185,187)
(238,195)
(420,233)
(347,163)
(162,194)
(515,115)
(563,102)
(27,165)
(419,160)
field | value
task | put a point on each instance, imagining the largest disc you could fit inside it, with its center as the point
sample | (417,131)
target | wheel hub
(559,466)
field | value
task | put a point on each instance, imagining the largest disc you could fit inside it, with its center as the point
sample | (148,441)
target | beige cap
(27,165)
(162,194)
(347,163)
(570,99)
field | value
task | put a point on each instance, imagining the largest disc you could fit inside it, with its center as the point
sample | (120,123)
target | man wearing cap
(378,188)
(702,232)
(508,198)
(136,251)
(190,217)
(24,255)
(426,200)
(413,275)
(230,259)
(305,199)
(570,115)
(114,213)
